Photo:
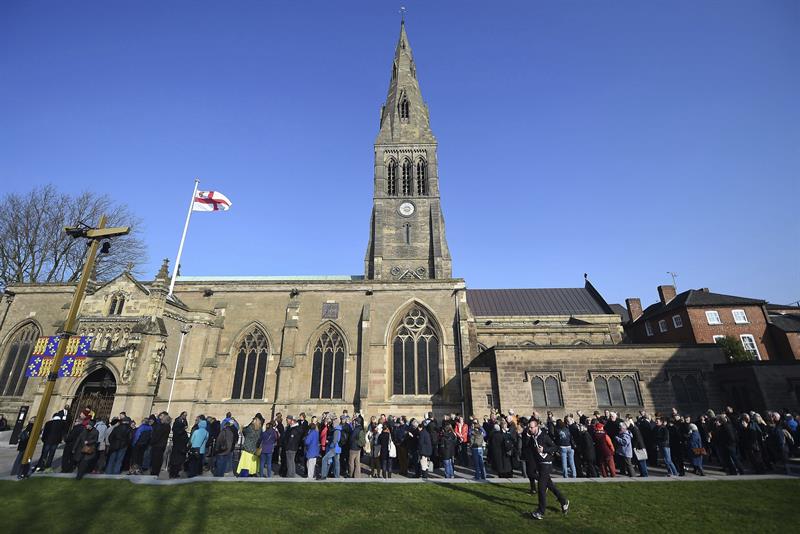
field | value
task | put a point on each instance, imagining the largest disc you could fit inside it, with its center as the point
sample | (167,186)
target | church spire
(404,115)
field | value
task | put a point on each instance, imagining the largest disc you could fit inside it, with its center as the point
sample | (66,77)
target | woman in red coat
(605,452)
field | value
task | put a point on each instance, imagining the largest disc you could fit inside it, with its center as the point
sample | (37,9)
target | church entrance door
(97,390)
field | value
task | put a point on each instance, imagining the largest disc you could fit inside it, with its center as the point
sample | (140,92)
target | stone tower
(407,239)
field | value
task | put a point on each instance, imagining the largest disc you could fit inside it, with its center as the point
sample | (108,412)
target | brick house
(785,329)
(700,316)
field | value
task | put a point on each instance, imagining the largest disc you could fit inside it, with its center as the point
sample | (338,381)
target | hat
(598,426)
(290,417)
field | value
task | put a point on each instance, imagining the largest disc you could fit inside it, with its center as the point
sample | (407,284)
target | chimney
(634,308)
(704,289)
(666,293)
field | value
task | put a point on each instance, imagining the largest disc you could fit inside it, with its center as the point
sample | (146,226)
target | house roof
(697,297)
(537,301)
(786,323)
(622,311)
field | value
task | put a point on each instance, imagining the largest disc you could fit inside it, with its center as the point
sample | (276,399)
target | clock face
(406,209)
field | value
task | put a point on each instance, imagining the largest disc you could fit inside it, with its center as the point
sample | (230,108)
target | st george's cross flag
(210,201)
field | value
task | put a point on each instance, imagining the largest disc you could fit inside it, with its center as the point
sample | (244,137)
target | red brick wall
(757,326)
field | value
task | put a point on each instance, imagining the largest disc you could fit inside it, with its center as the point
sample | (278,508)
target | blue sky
(624,139)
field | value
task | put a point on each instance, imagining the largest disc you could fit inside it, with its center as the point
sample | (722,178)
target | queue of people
(334,446)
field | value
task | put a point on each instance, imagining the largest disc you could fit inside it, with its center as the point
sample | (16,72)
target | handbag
(641,454)
(392,450)
(88,449)
(699,451)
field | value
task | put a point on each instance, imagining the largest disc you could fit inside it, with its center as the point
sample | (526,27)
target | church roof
(537,301)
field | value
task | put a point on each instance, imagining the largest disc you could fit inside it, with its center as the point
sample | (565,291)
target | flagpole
(183,239)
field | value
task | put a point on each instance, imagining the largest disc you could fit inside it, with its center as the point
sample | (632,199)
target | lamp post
(184,331)
(94,235)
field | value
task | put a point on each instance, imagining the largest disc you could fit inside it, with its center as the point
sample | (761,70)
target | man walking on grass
(545,448)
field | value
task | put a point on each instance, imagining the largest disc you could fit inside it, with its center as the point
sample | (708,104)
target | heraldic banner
(44,351)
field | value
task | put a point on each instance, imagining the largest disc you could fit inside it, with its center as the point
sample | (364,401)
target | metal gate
(101,404)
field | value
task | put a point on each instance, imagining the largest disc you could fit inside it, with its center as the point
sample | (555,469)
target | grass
(66,505)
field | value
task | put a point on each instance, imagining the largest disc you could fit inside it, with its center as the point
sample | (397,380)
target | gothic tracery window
(616,390)
(422,178)
(327,371)
(391,178)
(13,379)
(251,366)
(406,178)
(415,355)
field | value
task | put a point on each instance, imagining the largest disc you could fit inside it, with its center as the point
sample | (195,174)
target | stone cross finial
(402,14)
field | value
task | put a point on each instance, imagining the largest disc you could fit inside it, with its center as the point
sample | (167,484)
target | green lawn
(106,506)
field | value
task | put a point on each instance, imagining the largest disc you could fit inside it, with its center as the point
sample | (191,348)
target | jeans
(334,456)
(266,461)
(222,464)
(568,462)
(311,465)
(448,467)
(732,459)
(671,470)
(477,461)
(643,468)
(15,469)
(114,464)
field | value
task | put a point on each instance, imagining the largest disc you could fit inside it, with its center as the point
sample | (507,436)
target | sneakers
(536,515)
(565,508)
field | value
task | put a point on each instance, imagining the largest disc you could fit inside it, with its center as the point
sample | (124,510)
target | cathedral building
(404,337)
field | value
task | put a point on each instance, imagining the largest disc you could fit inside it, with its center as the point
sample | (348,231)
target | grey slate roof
(622,311)
(787,323)
(538,301)
(696,297)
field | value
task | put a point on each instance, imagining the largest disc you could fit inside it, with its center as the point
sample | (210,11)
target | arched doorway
(97,390)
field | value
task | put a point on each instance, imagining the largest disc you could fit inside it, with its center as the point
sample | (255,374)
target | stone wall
(651,366)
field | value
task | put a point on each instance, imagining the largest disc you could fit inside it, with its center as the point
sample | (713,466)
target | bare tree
(35,249)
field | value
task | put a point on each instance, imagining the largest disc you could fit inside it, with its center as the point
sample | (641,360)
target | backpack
(362,438)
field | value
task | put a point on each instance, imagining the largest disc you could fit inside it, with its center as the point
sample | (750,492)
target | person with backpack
(334,453)
(118,441)
(567,446)
(476,443)
(448,448)
(223,449)
(358,439)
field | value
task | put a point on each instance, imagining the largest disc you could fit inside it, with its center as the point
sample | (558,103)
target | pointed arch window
(406,178)
(617,389)
(327,371)
(13,379)
(250,372)
(415,355)
(402,107)
(391,178)
(422,177)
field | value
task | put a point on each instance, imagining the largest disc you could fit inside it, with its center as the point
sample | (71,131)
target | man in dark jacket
(545,449)
(158,443)
(726,440)
(223,449)
(67,462)
(293,435)
(118,441)
(425,449)
(52,434)
(447,449)
(85,448)
(22,444)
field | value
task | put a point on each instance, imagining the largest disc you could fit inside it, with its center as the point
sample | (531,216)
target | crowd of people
(594,445)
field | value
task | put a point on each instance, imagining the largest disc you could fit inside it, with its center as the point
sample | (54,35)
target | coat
(425,444)
(251,436)
(159,436)
(226,441)
(89,436)
(602,444)
(53,432)
(180,444)
(269,438)
(624,444)
(448,445)
(501,462)
(200,437)
(312,443)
